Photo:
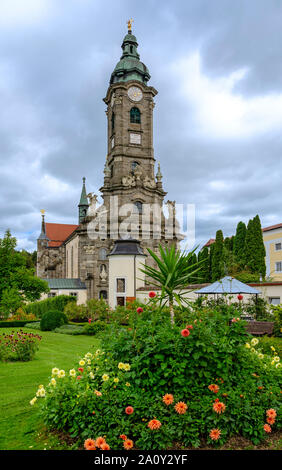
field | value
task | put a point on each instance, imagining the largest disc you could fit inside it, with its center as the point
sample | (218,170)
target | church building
(132,194)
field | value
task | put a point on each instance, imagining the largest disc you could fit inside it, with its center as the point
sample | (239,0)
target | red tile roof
(272,227)
(210,242)
(58,233)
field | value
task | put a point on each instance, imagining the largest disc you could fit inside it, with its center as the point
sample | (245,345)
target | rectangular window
(52,294)
(278,246)
(121,285)
(120,291)
(274,300)
(278,266)
(121,301)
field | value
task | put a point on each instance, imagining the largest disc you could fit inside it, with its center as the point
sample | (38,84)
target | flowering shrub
(18,346)
(20,315)
(151,386)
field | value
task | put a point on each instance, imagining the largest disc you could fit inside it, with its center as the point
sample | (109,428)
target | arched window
(134,165)
(138,207)
(135,115)
(102,254)
(103,294)
(113,121)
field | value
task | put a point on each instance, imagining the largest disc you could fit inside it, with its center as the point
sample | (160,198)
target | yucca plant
(174,273)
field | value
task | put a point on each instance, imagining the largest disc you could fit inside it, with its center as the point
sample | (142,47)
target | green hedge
(53,303)
(15,323)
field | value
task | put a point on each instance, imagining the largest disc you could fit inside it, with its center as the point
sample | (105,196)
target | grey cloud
(54,122)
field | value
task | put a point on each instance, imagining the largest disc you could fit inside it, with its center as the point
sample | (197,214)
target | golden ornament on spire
(129,24)
(42,211)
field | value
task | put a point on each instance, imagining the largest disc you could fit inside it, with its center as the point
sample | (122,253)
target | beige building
(272,237)
(72,287)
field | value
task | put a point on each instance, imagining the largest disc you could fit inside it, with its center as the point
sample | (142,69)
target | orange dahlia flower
(105,446)
(89,444)
(185,332)
(214,388)
(154,424)
(100,441)
(181,407)
(270,420)
(267,428)
(168,398)
(123,437)
(219,407)
(128,444)
(97,393)
(215,434)
(271,413)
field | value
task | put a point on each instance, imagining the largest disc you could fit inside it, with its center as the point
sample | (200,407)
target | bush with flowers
(18,346)
(155,384)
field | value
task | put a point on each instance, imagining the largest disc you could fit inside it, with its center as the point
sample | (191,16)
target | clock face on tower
(135,93)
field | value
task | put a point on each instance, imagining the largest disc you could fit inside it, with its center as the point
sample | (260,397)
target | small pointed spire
(83,198)
(43,235)
(83,203)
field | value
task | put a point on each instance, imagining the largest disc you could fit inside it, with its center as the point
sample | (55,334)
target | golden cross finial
(129,24)
(42,211)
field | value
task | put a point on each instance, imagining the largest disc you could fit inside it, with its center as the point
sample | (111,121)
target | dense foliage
(158,383)
(18,283)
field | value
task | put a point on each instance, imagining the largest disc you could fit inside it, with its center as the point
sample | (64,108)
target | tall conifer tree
(254,247)
(259,248)
(239,243)
(204,272)
(217,257)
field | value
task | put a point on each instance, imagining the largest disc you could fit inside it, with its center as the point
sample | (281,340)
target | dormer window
(135,116)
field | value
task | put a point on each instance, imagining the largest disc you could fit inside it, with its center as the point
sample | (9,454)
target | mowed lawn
(20,423)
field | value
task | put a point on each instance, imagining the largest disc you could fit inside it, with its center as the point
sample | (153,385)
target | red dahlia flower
(129,410)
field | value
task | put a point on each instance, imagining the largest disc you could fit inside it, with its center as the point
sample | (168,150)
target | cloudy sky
(217,120)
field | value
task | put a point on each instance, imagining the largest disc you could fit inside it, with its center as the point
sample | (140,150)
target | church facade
(132,189)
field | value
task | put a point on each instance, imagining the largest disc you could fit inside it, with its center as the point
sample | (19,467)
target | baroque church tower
(130,177)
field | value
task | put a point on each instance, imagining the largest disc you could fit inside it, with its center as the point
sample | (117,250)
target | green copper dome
(130,67)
